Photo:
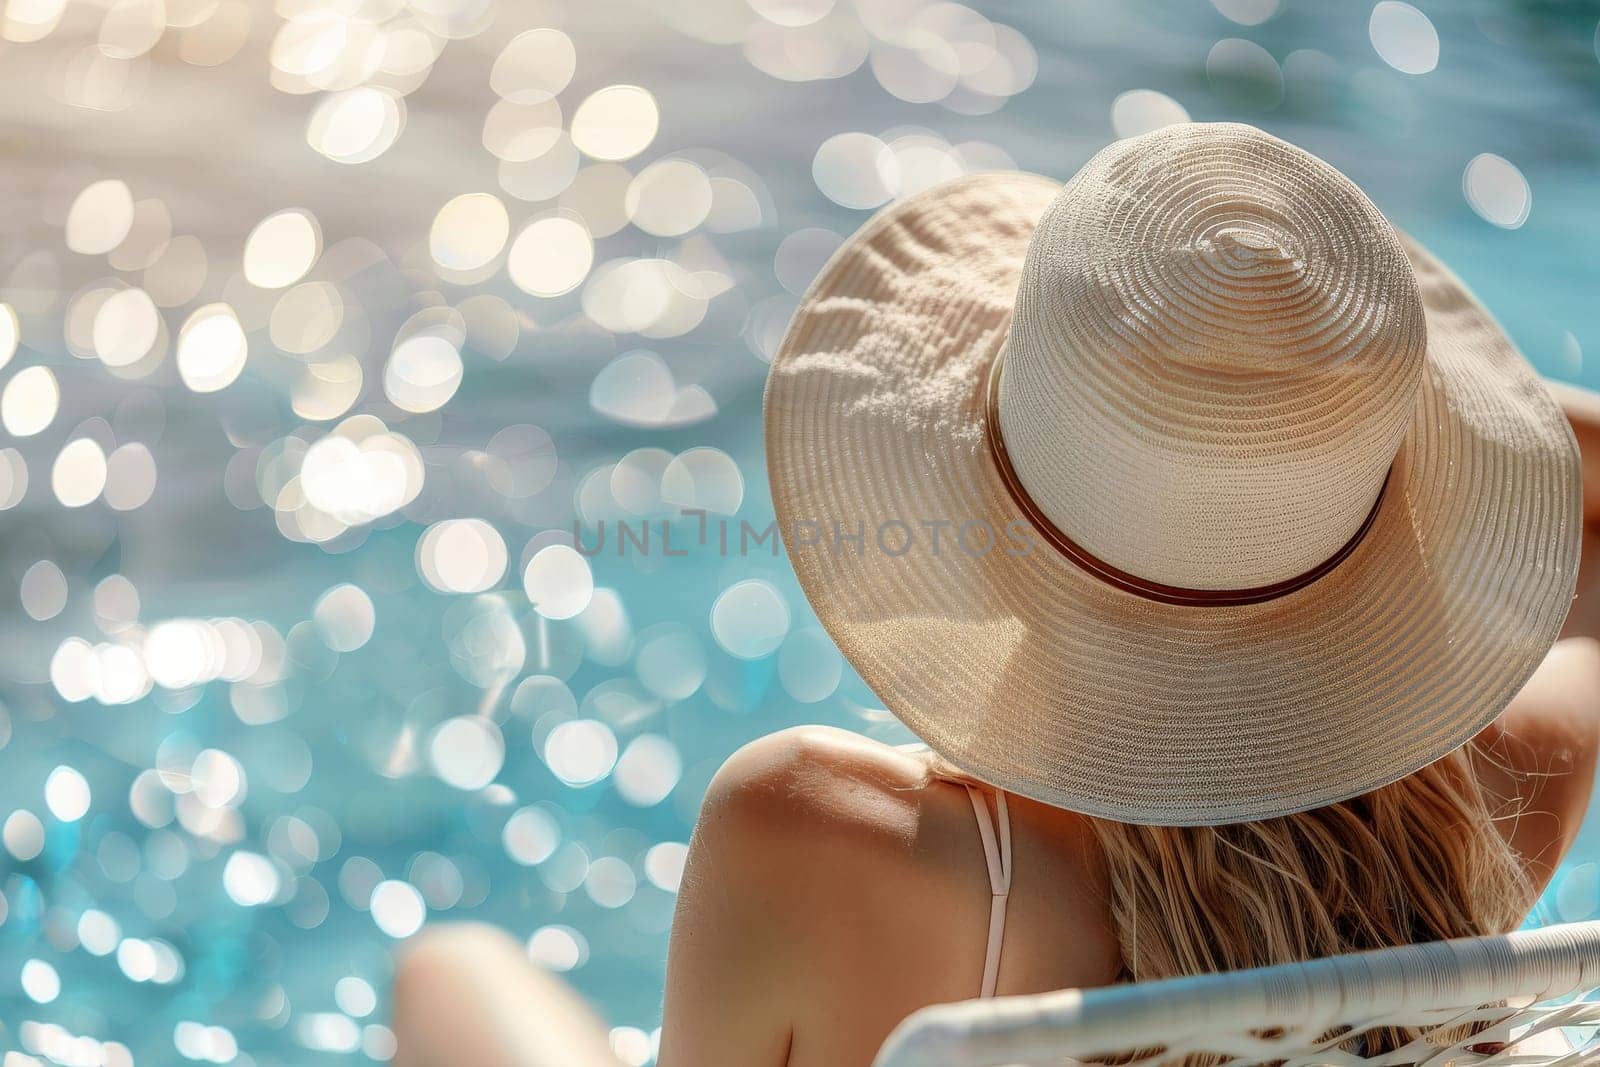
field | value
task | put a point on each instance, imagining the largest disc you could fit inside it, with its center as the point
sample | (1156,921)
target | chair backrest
(1514,999)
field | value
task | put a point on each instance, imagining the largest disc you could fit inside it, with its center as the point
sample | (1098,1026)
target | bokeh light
(558,582)
(534,65)
(43,590)
(66,794)
(23,835)
(356,125)
(669,198)
(281,249)
(397,908)
(1404,37)
(1244,75)
(345,617)
(581,752)
(100,217)
(1497,191)
(550,256)
(856,170)
(126,327)
(423,373)
(1142,110)
(10,333)
(469,232)
(461,556)
(40,981)
(212,349)
(29,401)
(79,473)
(467,752)
(750,619)
(615,123)
(1246,12)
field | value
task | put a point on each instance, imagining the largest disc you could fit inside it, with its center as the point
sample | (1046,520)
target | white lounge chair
(1523,998)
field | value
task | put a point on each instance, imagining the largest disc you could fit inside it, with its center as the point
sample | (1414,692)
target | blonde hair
(1418,860)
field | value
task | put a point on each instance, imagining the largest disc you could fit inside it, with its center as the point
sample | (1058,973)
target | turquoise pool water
(295,657)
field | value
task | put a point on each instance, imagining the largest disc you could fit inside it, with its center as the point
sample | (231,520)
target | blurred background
(321,324)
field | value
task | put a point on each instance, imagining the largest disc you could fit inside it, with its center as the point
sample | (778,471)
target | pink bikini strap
(998,857)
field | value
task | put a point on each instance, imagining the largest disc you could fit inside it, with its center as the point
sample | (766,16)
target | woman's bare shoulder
(863,880)
(818,785)
(836,823)
(803,912)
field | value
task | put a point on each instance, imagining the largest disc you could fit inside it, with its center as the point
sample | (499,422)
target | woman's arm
(1543,748)
(466,995)
(1582,407)
(731,958)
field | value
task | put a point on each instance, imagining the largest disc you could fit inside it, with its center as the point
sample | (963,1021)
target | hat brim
(1031,674)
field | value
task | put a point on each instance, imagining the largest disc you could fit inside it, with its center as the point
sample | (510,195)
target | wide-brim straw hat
(1189,492)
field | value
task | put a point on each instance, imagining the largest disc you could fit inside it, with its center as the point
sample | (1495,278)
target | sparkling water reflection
(320,324)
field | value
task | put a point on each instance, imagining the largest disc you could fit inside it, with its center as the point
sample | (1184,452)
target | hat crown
(1248,256)
(1215,353)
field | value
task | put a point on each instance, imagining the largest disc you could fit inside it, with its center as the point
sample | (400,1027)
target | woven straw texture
(1215,353)
(1035,676)
(1523,998)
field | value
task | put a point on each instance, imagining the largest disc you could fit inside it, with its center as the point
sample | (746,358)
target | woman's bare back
(851,890)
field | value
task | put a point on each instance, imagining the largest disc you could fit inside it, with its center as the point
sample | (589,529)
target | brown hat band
(1132,583)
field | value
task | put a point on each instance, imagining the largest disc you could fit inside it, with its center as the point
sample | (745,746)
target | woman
(1237,650)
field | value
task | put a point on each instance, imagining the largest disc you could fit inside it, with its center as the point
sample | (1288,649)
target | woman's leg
(467,996)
